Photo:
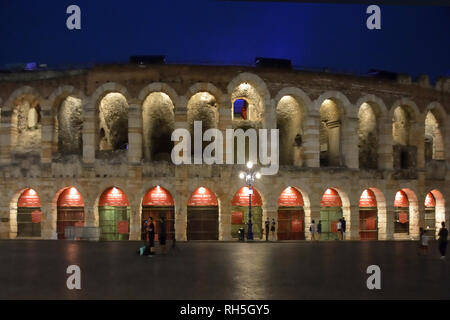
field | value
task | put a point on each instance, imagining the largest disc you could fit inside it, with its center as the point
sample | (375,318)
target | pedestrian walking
(267,228)
(272,229)
(423,246)
(319,229)
(162,234)
(151,236)
(339,229)
(343,228)
(312,229)
(443,240)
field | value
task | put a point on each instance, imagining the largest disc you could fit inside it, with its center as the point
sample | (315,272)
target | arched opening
(114,215)
(434,138)
(367,137)
(240,107)
(330,134)
(368,216)
(291,216)
(158,125)
(247,105)
(202,215)
(68,135)
(29,215)
(240,209)
(113,122)
(439,209)
(404,151)
(430,215)
(203,107)
(402,216)
(70,211)
(330,214)
(158,204)
(26,124)
(289,122)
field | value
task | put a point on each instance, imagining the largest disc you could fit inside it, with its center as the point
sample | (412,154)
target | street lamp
(250,177)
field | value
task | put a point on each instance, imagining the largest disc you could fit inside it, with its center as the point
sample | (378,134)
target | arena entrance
(291,216)
(368,213)
(158,203)
(330,213)
(401,208)
(430,216)
(239,212)
(29,215)
(114,215)
(202,215)
(70,211)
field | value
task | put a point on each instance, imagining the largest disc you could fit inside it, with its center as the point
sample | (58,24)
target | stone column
(385,157)
(46,132)
(135,222)
(353,223)
(5,136)
(311,144)
(382,221)
(225,218)
(89,132)
(48,224)
(390,220)
(414,218)
(350,142)
(134,134)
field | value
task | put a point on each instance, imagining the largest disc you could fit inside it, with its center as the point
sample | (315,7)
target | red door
(291,223)
(156,213)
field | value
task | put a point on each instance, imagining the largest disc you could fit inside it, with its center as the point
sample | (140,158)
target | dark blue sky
(413,39)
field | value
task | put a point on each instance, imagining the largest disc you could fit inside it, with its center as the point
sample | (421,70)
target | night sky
(413,39)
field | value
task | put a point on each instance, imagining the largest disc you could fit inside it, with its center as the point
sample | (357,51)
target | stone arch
(205,87)
(371,114)
(405,115)
(158,123)
(159,87)
(13,210)
(24,105)
(440,214)
(254,91)
(335,112)
(346,208)
(414,215)
(435,124)
(382,218)
(67,112)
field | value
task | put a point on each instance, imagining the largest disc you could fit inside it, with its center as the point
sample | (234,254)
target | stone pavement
(222,270)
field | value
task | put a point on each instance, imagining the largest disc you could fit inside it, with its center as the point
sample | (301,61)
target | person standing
(162,234)
(312,229)
(339,229)
(267,227)
(343,228)
(319,229)
(272,229)
(442,240)
(423,242)
(151,236)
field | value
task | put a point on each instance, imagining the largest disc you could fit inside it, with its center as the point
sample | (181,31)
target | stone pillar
(390,220)
(414,218)
(46,132)
(89,132)
(225,218)
(350,142)
(135,222)
(134,134)
(225,122)
(48,224)
(385,157)
(5,136)
(311,145)
(382,221)
(352,221)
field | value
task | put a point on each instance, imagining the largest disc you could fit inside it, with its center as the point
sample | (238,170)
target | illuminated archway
(158,203)
(239,212)
(114,215)
(368,216)
(202,215)
(291,216)
(330,214)
(70,211)
(29,215)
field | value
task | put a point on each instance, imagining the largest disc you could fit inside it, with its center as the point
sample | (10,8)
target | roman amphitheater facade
(110,126)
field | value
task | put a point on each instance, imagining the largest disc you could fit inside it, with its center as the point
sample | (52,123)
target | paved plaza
(222,270)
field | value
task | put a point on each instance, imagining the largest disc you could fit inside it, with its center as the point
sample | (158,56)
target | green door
(329,217)
(109,220)
(25,226)
(256,222)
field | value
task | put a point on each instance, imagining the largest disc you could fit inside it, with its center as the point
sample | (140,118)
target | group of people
(316,230)
(272,228)
(442,241)
(162,235)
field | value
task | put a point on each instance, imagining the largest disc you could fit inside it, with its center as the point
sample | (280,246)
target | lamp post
(250,177)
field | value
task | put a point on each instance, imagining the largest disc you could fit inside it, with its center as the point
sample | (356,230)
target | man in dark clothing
(151,236)
(162,234)
(267,226)
(343,227)
(443,235)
